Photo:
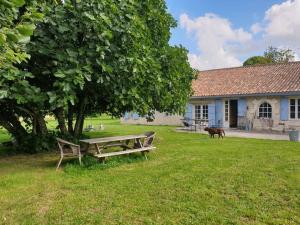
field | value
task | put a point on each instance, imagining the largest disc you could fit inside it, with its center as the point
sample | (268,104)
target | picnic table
(124,142)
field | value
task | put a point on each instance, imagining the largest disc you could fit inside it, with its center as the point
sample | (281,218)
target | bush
(37,143)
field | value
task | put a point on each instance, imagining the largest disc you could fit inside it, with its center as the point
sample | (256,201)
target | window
(294,108)
(201,112)
(265,110)
(226,110)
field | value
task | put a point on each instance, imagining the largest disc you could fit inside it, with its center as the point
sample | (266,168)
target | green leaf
(59,74)
(12,37)
(2,38)
(26,29)
(3,94)
(24,39)
(37,15)
(18,3)
(72,53)
(88,76)
(72,101)
(62,29)
(91,17)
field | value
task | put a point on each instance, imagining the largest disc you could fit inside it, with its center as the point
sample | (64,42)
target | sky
(224,33)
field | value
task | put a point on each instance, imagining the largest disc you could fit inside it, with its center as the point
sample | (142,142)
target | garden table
(107,142)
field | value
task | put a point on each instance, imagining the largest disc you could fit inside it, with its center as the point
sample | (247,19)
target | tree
(257,60)
(105,56)
(277,55)
(17,24)
(271,55)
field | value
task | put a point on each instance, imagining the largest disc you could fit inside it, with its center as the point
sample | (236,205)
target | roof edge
(294,93)
(257,65)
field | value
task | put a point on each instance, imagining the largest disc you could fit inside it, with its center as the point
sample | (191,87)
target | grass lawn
(190,179)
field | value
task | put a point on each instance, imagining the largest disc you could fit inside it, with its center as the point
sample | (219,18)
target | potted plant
(294,135)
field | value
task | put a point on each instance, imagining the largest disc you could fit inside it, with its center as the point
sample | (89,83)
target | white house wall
(160,119)
(253,104)
(252,114)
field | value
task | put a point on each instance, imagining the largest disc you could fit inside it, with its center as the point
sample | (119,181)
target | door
(233,115)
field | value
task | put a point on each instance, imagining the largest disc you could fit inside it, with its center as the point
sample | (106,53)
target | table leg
(138,141)
(126,145)
(98,149)
(85,148)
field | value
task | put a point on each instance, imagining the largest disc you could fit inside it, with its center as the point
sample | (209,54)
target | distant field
(190,179)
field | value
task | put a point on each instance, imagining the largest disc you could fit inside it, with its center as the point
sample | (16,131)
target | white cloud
(216,40)
(281,27)
(220,45)
(283,24)
(256,28)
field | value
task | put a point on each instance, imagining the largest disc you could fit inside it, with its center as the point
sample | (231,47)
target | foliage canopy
(98,56)
(277,55)
(271,55)
(257,60)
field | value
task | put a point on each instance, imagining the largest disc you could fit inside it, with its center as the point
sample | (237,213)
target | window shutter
(219,112)
(189,111)
(242,107)
(212,115)
(284,108)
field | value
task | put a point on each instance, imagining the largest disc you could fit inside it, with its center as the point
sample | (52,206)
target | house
(253,97)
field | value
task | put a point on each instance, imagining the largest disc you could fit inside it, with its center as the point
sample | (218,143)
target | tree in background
(257,60)
(277,55)
(272,55)
(105,56)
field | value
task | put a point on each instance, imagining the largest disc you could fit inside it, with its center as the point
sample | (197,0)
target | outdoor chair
(149,139)
(189,125)
(68,149)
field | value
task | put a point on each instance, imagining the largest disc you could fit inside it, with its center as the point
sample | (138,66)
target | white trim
(269,105)
(226,124)
(296,108)
(201,111)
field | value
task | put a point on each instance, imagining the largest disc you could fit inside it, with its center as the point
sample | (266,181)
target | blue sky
(223,33)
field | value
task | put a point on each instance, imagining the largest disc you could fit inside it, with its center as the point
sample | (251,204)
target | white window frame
(297,105)
(201,112)
(259,107)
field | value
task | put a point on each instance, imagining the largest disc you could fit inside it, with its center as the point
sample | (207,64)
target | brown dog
(213,131)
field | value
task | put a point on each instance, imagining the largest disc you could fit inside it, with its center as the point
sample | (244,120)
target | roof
(270,79)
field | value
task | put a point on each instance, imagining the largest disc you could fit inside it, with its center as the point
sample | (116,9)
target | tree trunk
(60,116)
(80,118)
(38,120)
(41,126)
(14,127)
(70,119)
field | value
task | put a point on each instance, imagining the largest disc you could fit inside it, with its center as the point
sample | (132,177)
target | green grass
(190,179)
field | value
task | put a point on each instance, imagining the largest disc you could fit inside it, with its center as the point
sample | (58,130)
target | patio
(269,135)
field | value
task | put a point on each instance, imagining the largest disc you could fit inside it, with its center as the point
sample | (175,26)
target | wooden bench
(102,156)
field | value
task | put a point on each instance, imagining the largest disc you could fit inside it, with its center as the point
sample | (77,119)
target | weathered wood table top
(112,139)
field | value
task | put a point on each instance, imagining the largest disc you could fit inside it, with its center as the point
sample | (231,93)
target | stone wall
(275,123)
(160,119)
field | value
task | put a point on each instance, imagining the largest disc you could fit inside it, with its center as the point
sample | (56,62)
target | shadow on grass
(91,163)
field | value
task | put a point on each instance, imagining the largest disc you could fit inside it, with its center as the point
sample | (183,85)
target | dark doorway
(233,121)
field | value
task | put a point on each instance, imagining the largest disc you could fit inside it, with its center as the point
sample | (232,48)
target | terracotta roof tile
(260,79)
